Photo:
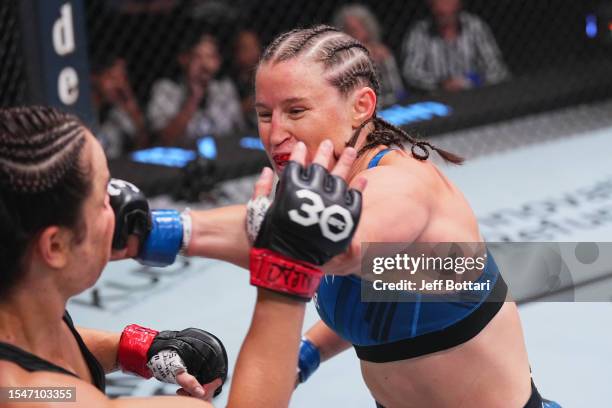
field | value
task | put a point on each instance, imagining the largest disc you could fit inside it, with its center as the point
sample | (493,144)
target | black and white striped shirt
(428,59)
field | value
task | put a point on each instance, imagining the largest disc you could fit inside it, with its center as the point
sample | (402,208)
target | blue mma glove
(161,232)
(308,359)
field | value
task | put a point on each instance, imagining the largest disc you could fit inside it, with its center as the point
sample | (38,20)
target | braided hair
(347,65)
(42,182)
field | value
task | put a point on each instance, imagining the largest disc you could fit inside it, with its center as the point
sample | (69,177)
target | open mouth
(280,160)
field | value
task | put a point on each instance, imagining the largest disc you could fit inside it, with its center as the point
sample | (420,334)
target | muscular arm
(326,340)
(264,374)
(220,233)
(88,396)
(265,370)
(103,345)
(380,222)
(392,212)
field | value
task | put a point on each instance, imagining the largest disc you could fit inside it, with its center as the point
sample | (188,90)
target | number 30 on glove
(312,219)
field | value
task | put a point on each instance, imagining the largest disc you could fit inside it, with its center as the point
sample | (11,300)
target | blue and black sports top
(391,331)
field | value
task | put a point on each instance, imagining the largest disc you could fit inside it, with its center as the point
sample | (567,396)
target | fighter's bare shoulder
(16,377)
(402,177)
(398,189)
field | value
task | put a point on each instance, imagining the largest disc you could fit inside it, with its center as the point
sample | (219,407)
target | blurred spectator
(196,104)
(358,21)
(122,125)
(453,50)
(246,53)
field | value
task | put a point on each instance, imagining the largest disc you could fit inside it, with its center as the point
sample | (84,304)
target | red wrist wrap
(276,272)
(133,347)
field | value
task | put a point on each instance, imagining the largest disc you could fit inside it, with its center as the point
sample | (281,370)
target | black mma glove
(132,213)
(148,353)
(162,233)
(312,219)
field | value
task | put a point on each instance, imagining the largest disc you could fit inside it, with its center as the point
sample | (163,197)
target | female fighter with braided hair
(57,229)
(320,83)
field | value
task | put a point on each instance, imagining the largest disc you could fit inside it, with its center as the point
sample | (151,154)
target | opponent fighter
(318,81)
(58,225)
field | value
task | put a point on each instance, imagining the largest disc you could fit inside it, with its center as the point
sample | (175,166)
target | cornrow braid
(37,148)
(42,182)
(273,47)
(329,55)
(359,72)
(299,40)
(346,60)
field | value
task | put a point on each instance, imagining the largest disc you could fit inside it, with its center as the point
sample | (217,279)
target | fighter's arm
(86,395)
(220,233)
(103,345)
(200,356)
(261,378)
(155,237)
(391,212)
(327,342)
(268,354)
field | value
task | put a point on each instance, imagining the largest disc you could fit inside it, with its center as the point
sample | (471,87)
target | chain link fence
(13,90)
(532,35)
(138,53)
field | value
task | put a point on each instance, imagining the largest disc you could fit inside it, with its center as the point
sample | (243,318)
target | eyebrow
(283,102)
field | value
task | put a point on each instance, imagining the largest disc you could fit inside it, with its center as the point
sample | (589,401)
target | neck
(362,161)
(31,317)
(449,32)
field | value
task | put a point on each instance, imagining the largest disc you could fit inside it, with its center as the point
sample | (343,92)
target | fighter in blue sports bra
(390,331)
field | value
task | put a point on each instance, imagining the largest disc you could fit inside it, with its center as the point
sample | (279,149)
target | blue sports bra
(390,331)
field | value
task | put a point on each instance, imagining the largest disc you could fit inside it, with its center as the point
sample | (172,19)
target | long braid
(420,148)
(347,64)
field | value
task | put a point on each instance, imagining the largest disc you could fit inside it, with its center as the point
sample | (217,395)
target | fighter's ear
(363,105)
(53,246)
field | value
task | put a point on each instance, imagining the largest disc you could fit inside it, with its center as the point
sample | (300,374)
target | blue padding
(164,240)
(308,360)
(164,156)
(207,147)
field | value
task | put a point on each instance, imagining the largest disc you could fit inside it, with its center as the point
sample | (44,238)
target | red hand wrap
(133,347)
(276,272)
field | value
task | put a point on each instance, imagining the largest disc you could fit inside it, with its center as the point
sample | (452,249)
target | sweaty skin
(58,268)
(487,371)
(406,201)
